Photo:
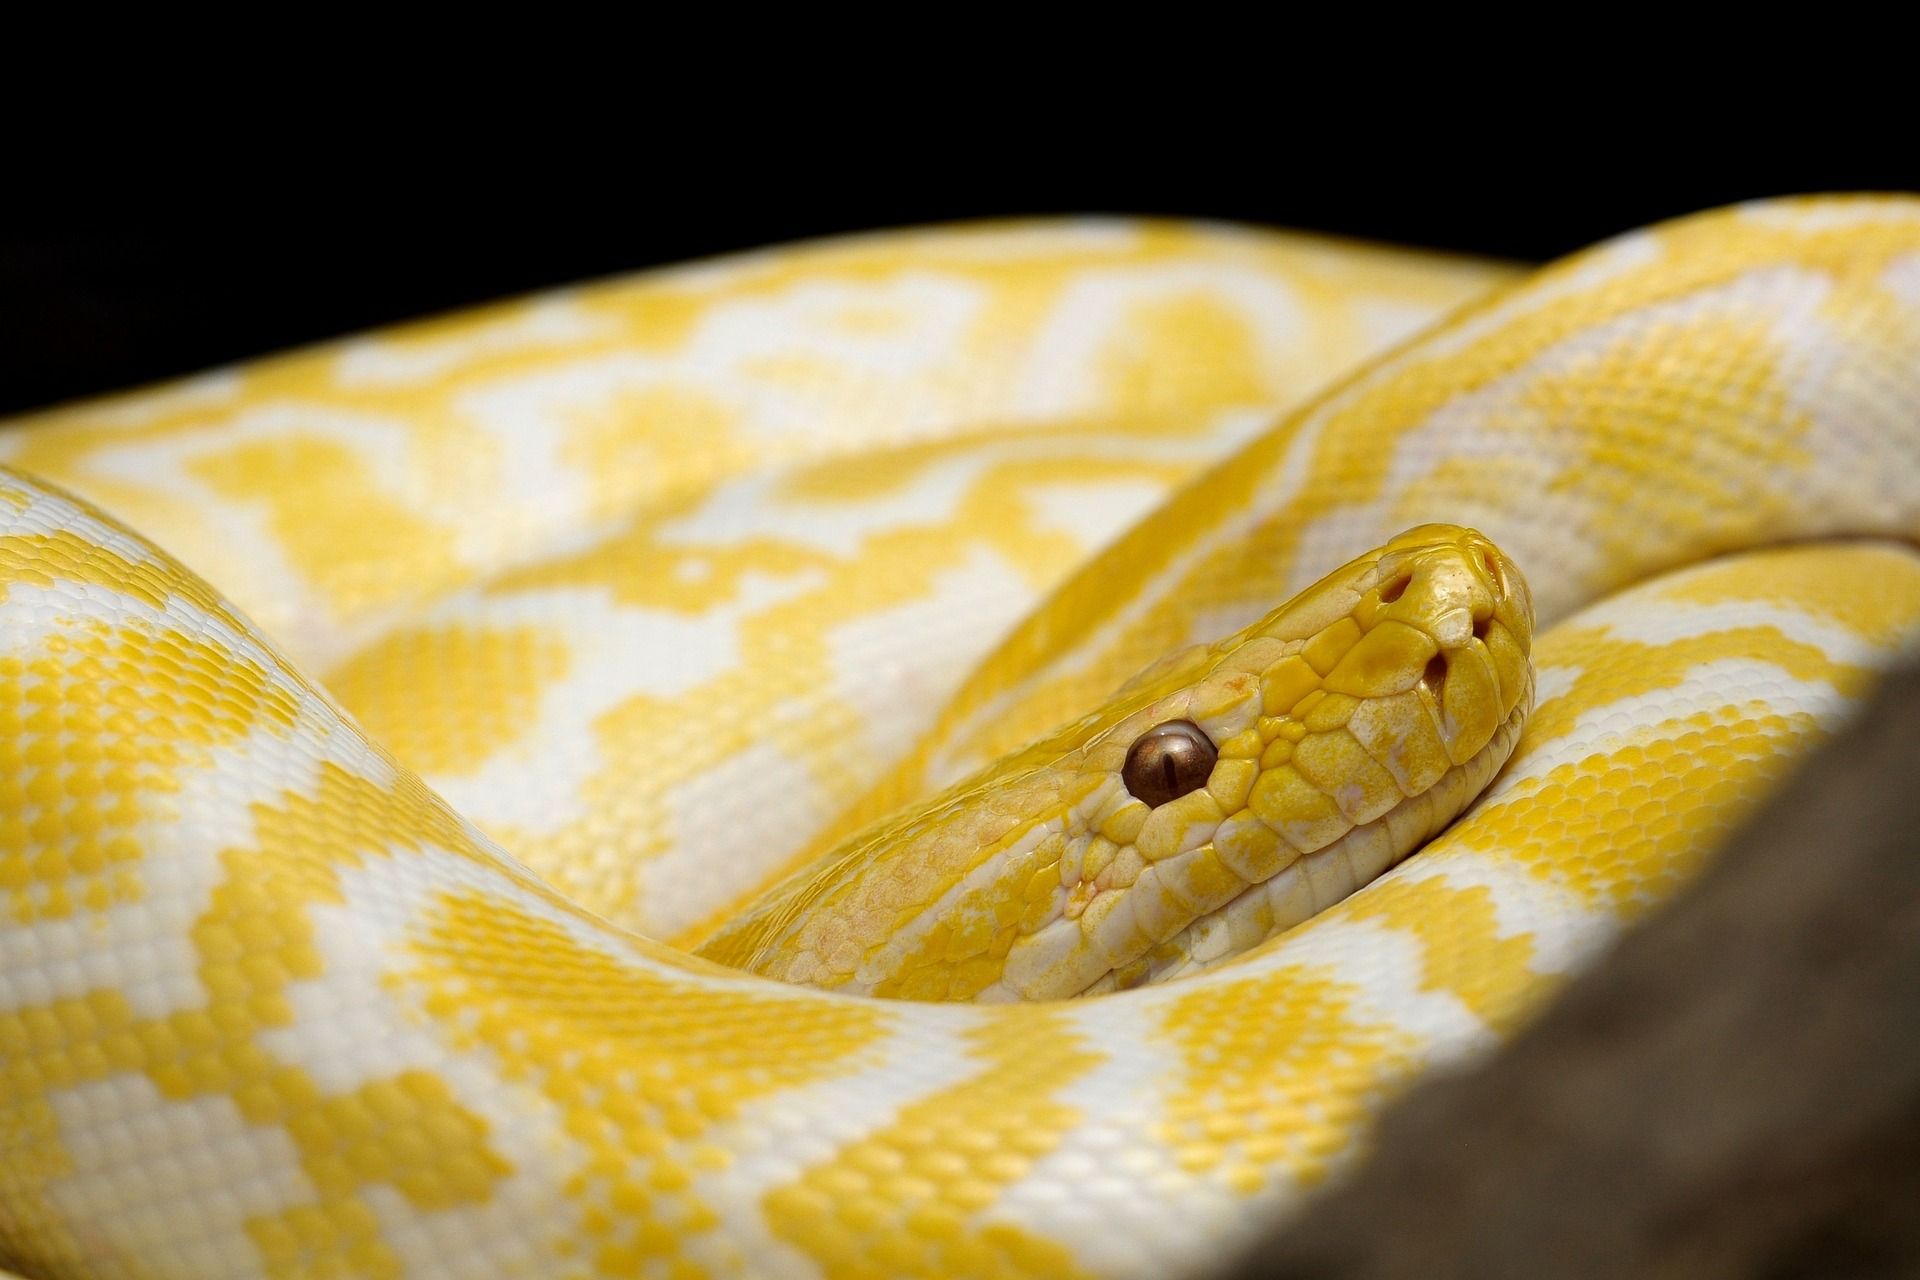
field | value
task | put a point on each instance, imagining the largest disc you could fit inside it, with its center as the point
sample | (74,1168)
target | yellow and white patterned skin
(650,579)
(270,1005)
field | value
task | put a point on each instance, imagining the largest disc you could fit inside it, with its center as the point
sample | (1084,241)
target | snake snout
(1456,617)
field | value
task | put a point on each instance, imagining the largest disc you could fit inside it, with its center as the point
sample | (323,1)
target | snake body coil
(349,901)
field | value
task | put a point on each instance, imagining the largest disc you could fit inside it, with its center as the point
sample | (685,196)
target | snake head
(1226,794)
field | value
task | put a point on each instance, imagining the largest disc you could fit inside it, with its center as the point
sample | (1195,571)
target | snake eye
(1167,761)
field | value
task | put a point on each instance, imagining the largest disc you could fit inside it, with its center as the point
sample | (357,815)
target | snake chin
(1264,913)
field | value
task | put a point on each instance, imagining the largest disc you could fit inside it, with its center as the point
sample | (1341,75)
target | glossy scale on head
(1215,802)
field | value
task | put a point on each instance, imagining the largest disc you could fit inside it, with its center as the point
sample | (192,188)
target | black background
(117,294)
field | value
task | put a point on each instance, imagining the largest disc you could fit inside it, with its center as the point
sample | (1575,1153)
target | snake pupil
(1168,761)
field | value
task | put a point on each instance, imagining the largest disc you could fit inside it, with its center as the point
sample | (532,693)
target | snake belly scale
(368,775)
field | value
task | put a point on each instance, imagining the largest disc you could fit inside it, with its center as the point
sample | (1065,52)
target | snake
(978,751)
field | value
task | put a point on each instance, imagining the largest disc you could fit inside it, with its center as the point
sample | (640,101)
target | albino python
(354,877)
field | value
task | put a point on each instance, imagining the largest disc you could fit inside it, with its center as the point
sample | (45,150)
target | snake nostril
(1395,589)
(1480,626)
(1435,676)
(1499,579)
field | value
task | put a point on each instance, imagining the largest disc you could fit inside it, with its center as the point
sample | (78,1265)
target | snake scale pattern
(384,727)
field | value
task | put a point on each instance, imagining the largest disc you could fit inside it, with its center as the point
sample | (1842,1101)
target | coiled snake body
(669,587)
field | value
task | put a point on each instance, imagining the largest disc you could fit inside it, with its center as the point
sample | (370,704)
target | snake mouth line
(1308,886)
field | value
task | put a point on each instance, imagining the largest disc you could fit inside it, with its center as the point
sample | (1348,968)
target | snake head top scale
(1225,794)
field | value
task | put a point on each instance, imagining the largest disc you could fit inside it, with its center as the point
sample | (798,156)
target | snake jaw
(1311,883)
(1372,734)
